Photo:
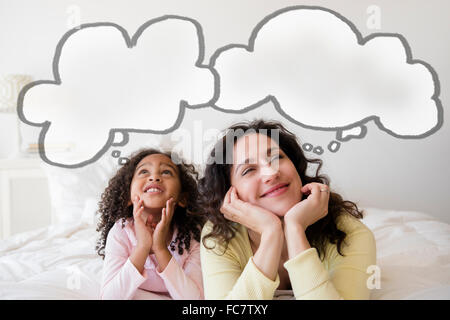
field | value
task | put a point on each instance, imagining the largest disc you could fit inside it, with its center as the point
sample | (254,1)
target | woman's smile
(276,191)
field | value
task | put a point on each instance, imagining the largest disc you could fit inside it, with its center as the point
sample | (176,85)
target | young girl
(275,229)
(149,231)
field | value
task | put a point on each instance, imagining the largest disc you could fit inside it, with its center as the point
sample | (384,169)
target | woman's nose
(270,171)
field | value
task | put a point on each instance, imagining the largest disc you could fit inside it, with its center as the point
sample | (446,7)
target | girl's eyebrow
(150,164)
(250,160)
(170,165)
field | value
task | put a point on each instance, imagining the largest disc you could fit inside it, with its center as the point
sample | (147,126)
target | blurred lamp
(10,86)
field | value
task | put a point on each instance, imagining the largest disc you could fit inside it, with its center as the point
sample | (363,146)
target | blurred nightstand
(24,196)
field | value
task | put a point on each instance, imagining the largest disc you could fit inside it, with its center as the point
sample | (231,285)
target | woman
(272,226)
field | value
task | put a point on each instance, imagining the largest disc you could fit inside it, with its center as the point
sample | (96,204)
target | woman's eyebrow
(247,161)
(270,150)
(250,160)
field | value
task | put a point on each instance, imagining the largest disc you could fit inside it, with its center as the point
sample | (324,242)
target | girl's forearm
(163,257)
(296,240)
(267,256)
(138,257)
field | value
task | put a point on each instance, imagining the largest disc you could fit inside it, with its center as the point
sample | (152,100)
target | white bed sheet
(60,262)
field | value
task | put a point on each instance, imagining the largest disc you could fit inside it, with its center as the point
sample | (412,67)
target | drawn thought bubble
(322,74)
(106,81)
(311,62)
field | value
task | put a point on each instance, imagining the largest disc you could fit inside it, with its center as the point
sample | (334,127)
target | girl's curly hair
(216,181)
(114,204)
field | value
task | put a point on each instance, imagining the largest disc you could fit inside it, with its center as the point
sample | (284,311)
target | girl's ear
(182,201)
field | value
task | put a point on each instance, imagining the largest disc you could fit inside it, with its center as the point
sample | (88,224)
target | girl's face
(263,175)
(156,179)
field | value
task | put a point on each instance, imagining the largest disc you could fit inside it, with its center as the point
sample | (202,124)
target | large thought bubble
(108,83)
(321,74)
(310,62)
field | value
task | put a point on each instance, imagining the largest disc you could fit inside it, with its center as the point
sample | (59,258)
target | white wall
(377,171)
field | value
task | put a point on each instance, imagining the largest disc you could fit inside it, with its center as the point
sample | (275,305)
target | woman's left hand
(162,228)
(309,210)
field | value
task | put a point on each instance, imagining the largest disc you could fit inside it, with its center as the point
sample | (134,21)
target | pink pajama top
(181,279)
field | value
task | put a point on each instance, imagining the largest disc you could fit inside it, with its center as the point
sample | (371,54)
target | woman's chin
(280,214)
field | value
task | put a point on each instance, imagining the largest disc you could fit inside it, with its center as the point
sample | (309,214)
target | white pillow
(74,193)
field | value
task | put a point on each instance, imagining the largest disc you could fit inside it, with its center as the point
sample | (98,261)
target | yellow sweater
(233,275)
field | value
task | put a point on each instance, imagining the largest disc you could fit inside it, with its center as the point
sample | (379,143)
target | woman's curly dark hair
(216,182)
(114,204)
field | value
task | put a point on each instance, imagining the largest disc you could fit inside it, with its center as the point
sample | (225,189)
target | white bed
(59,262)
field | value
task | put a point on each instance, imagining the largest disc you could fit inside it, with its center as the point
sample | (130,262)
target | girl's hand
(162,228)
(251,216)
(142,225)
(311,209)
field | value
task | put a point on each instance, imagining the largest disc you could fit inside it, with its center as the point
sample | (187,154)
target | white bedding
(59,262)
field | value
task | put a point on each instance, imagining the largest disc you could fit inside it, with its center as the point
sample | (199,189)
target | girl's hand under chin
(251,216)
(163,227)
(309,210)
(142,225)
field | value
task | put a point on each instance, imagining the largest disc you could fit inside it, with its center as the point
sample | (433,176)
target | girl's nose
(154,178)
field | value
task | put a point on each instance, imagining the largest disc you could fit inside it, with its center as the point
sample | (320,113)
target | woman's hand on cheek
(142,225)
(251,216)
(309,210)
(163,226)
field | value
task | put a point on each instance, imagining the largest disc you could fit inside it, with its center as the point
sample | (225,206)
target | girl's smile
(153,188)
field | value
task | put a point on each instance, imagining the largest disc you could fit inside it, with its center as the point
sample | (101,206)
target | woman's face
(263,175)
(155,180)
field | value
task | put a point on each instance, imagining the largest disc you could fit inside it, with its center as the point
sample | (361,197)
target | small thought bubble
(123,160)
(307,146)
(318,150)
(121,138)
(357,132)
(115,153)
(334,146)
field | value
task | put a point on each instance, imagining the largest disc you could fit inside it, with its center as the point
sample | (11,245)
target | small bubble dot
(116,153)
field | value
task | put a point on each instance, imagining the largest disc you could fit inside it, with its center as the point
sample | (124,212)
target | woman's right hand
(142,225)
(268,225)
(251,216)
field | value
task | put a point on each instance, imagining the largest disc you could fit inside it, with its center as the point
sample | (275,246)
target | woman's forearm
(267,256)
(296,240)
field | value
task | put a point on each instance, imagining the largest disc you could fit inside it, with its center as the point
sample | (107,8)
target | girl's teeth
(153,190)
